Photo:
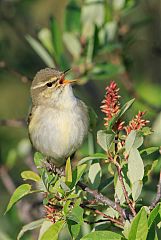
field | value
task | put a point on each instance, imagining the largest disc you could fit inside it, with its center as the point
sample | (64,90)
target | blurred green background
(101,41)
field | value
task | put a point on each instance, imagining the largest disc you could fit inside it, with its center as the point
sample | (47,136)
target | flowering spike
(136,123)
(111,105)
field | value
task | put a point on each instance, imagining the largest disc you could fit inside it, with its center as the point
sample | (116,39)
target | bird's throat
(64,98)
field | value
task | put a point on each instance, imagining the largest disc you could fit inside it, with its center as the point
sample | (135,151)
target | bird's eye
(49,84)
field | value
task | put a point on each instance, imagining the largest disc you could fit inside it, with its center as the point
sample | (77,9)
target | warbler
(59,121)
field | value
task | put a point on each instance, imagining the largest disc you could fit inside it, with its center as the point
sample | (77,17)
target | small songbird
(58,122)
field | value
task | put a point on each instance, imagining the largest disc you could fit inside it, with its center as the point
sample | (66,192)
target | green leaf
(119,192)
(90,142)
(111,169)
(45,37)
(30,226)
(72,17)
(105,139)
(118,5)
(94,175)
(135,166)
(136,189)
(92,14)
(44,227)
(153,215)
(133,140)
(53,231)
(146,131)
(93,157)
(57,42)
(77,174)
(152,234)
(66,207)
(76,215)
(48,179)
(139,226)
(150,150)
(72,44)
(111,213)
(125,107)
(41,51)
(74,228)
(105,183)
(102,235)
(155,138)
(126,230)
(148,169)
(68,172)
(159,225)
(38,159)
(93,45)
(74,221)
(56,36)
(30,175)
(130,141)
(72,195)
(150,153)
(64,186)
(19,193)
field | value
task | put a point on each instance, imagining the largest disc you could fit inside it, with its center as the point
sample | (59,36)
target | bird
(58,122)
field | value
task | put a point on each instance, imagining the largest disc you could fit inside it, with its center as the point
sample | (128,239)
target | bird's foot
(50,167)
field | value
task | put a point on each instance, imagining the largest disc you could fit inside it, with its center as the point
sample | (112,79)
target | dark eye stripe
(49,84)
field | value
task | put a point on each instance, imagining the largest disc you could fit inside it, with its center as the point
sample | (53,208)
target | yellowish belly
(58,134)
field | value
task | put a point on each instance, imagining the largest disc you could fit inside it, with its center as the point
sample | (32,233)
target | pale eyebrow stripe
(42,84)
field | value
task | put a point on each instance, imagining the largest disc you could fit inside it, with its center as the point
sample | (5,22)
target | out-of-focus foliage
(99,40)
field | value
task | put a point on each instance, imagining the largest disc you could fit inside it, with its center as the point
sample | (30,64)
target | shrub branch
(13,122)
(158,195)
(97,196)
(107,218)
(119,170)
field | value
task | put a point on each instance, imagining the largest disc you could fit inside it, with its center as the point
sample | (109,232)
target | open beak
(65,81)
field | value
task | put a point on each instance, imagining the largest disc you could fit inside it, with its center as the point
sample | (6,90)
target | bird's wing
(29,118)
(85,112)
(30,115)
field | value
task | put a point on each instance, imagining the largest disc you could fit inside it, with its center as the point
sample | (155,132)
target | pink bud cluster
(136,123)
(52,213)
(111,104)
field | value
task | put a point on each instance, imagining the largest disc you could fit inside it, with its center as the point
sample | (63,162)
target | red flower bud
(136,123)
(111,104)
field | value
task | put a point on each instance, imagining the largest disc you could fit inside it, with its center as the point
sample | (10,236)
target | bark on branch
(158,195)
(119,170)
(13,122)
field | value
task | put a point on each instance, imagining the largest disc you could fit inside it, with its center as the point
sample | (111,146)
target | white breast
(58,133)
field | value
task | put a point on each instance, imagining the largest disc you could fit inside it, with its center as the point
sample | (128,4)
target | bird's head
(49,86)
